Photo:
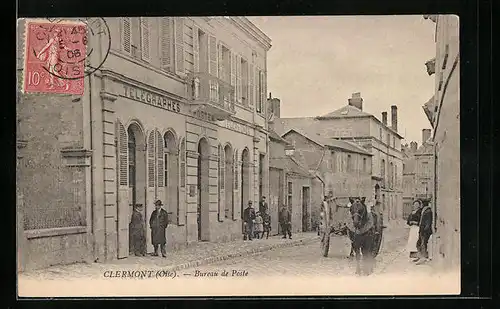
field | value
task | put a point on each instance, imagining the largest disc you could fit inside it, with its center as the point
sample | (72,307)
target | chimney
(356,100)
(274,106)
(384,118)
(426,134)
(394,117)
(413,146)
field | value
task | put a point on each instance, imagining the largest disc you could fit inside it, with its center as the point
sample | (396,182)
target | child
(258,229)
(267,224)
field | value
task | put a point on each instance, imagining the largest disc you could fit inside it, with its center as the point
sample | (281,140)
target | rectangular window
(244,82)
(260,93)
(349,164)
(289,194)
(364,165)
(183,164)
(126,34)
(145,39)
(388,139)
(167,43)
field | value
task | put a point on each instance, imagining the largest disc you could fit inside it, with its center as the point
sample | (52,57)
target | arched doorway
(171,176)
(245,180)
(203,209)
(228,181)
(136,170)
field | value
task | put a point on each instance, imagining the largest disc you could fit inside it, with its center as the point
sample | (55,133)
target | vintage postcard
(238,156)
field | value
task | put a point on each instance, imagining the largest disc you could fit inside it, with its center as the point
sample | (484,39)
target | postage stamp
(55,57)
(59,54)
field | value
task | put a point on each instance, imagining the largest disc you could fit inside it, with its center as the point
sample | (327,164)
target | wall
(447,144)
(298,183)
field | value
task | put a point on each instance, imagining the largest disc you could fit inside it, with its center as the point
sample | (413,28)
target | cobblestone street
(288,263)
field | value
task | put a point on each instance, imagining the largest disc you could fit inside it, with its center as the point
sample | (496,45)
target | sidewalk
(195,255)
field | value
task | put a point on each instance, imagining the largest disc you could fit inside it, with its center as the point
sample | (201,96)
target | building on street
(290,184)
(444,112)
(177,112)
(418,171)
(351,123)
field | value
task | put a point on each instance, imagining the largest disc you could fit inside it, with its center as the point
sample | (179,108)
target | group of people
(258,223)
(158,223)
(420,222)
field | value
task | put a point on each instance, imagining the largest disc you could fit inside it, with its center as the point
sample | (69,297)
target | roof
(327,142)
(344,112)
(275,136)
(292,166)
(349,111)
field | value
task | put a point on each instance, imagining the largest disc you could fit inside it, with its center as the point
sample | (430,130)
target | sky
(317,62)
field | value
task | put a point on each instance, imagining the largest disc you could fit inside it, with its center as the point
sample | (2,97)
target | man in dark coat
(424,233)
(248,221)
(137,232)
(158,224)
(263,205)
(286,222)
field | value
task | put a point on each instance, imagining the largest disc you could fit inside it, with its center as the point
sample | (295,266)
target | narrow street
(303,260)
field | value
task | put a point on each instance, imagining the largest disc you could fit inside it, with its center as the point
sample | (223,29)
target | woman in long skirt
(413,221)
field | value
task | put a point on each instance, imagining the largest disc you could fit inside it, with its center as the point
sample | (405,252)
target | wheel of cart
(332,221)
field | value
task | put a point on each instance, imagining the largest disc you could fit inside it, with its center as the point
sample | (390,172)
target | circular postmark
(72,49)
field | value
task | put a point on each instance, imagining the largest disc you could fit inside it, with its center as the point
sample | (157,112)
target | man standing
(424,233)
(137,232)
(248,220)
(263,205)
(285,222)
(158,224)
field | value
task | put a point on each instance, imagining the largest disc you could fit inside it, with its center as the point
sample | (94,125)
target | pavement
(201,253)
(273,266)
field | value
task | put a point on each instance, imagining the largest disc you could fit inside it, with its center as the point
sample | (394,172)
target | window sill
(60,231)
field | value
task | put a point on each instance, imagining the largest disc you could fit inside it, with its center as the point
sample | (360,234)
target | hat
(138,206)
(158,202)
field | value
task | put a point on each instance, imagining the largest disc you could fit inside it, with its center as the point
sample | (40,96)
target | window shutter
(126,34)
(166,43)
(145,39)
(196,49)
(212,56)
(251,85)
(264,91)
(220,62)
(238,79)
(181,216)
(232,72)
(221,185)
(236,208)
(258,97)
(179,45)
(159,156)
(151,160)
(122,146)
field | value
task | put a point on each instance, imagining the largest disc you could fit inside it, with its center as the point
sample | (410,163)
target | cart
(333,221)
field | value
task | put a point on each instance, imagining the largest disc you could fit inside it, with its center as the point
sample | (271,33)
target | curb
(224,257)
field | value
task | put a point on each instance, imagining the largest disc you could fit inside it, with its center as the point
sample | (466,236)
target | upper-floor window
(388,139)
(364,166)
(394,142)
(382,169)
(381,135)
(261,94)
(244,82)
(349,163)
(145,39)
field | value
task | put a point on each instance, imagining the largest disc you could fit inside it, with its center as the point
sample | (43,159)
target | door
(305,208)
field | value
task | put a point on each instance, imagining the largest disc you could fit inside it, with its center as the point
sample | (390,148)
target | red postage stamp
(55,56)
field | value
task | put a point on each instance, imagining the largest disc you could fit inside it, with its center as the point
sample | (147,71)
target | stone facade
(341,168)
(418,171)
(446,138)
(350,123)
(147,127)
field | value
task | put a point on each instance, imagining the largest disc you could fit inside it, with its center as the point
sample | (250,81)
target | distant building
(290,185)
(418,171)
(341,168)
(351,123)
(445,116)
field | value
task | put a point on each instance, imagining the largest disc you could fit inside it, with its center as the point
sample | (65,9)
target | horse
(361,233)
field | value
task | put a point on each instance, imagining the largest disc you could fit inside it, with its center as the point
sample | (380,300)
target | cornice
(253,31)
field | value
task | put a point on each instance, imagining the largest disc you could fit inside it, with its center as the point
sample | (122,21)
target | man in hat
(263,205)
(158,224)
(137,232)
(285,218)
(248,220)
